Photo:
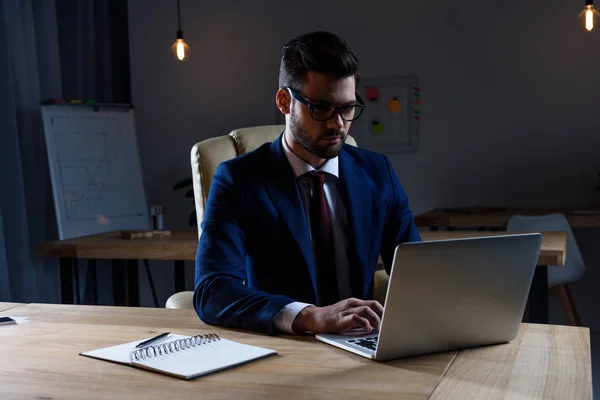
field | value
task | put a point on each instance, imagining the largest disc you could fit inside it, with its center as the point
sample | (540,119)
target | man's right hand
(339,317)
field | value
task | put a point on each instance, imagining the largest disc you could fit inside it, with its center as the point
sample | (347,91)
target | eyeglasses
(324,112)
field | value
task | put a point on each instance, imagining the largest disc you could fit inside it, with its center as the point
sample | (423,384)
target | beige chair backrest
(208,154)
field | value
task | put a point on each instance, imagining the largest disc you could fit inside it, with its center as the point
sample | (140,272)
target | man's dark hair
(322,52)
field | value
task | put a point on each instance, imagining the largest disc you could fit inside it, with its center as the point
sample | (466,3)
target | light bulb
(180,49)
(589,16)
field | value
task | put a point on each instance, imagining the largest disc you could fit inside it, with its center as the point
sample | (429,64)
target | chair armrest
(181,300)
(380,284)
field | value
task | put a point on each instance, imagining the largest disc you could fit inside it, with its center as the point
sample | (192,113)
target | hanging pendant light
(180,49)
(589,15)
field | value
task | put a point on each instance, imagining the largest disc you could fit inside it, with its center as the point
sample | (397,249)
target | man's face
(323,139)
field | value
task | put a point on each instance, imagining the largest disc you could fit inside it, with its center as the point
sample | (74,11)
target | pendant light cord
(178,15)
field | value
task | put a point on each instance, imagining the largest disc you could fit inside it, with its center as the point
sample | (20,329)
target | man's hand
(338,317)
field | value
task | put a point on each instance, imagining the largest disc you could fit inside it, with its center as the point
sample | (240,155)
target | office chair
(558,276)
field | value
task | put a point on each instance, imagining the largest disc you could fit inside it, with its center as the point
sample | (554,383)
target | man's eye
(323,109)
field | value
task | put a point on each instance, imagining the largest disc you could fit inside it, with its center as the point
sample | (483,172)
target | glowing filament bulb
(589,15)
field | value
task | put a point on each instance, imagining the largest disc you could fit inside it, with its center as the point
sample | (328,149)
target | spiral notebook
(184,357)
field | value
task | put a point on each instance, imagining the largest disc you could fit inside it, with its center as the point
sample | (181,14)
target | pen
(152,340)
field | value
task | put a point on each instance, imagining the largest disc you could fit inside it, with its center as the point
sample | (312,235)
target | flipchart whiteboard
(95,169)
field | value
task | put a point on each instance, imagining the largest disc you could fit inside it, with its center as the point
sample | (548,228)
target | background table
(496,217)
(125,254)
(182,245)
(40,360)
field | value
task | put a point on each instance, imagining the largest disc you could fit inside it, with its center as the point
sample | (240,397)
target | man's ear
(283,101)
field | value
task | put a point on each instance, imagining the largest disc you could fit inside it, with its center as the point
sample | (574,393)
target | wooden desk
(9,306)
(496,217)
(182,245)
(544,362)
(40,360)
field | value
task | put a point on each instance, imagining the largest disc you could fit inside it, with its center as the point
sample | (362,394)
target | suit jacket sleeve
(220,295)
(400,225)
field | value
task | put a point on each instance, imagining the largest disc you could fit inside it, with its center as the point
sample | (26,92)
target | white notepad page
(204,359)
(189,363)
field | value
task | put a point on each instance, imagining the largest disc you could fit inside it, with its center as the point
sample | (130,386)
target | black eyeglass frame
(336,109)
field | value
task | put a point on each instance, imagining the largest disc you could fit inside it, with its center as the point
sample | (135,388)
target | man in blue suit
(293,230)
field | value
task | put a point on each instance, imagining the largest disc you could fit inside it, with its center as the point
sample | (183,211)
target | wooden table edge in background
(496,217)
(182,245)
(552,253)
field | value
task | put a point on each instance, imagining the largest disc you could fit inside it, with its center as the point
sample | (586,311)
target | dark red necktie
(322,239)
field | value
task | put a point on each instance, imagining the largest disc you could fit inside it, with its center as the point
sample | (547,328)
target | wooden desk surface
(496,217)
(544,362)
(182,245)
(9,306)
(40,360)
(554,244)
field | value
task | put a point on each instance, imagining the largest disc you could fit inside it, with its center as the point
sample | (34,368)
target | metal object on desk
(158,222)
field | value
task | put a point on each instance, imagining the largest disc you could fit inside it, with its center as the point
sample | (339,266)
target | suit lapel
(283,191)
(356,191)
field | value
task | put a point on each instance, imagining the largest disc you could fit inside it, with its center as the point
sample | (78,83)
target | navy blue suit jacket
(255,254)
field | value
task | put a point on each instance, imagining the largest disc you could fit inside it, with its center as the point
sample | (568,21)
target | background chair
(206,157)
(558,277)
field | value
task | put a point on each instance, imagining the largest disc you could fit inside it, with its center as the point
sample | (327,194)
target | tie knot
(317,177)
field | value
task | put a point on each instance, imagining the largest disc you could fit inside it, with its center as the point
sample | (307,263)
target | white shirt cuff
(284,319)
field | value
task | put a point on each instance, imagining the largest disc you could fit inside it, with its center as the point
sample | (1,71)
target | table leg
(538,296)
(179,276)
(66,280)
(119,279)
(76,277)
(92,273)
(133,287)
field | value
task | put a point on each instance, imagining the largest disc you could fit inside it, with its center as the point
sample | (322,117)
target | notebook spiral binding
(172,347)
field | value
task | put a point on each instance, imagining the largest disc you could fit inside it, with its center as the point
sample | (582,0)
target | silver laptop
(450,294)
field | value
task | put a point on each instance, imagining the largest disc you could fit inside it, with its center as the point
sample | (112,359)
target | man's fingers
(352,321)
(373,304)
(369,314)
(377,307)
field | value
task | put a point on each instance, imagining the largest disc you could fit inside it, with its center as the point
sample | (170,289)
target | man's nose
(336,122)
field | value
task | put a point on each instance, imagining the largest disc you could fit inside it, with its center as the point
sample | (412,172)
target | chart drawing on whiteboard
(95,170)
(91,181)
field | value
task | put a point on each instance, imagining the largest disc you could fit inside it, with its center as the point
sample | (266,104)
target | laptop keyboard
(367,343)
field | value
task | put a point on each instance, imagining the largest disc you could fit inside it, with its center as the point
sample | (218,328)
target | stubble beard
(322,150)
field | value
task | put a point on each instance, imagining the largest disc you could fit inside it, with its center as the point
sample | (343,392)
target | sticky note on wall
(394,105)
(372,93)
(377,128)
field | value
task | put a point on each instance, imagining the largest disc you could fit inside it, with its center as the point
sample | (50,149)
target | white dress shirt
(284,319)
